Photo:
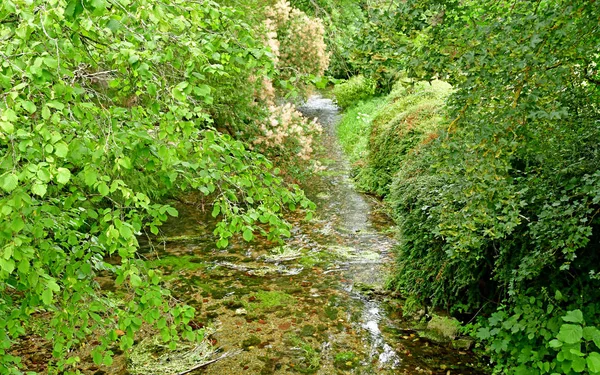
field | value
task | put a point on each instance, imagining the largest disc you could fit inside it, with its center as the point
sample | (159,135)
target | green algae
(268,300)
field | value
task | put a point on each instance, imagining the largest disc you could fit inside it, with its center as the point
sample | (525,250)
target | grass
(354,129)
(308,359)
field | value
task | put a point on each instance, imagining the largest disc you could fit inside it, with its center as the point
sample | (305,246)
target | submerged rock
(441,329)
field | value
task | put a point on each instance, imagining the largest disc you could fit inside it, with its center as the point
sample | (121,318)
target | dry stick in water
(228,354)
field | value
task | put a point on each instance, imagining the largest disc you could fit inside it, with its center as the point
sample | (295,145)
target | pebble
(241,311)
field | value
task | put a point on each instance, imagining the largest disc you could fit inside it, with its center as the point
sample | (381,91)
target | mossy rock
(441,329)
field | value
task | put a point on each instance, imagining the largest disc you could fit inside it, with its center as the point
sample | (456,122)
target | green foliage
(354,129)
(410,117)
(107,107)
(355,89)
(535,338)
(502,203)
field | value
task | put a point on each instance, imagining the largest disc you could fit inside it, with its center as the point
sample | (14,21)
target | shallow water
(302,308)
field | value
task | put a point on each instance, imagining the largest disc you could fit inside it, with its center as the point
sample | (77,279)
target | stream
(316,305)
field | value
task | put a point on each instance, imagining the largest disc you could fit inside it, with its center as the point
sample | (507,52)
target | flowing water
(315,305)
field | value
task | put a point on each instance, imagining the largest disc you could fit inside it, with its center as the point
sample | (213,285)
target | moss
(308,330)
(307,360)
(251,342)
(269,300)
(331,313)
(442,329)
(172,264)
(346,360)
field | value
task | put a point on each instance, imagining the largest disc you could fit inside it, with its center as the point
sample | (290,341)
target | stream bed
(315,305)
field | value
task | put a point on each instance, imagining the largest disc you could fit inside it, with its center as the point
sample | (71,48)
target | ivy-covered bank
(494,183)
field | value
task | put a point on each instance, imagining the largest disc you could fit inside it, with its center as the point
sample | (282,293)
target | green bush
(353,90)
(410,116)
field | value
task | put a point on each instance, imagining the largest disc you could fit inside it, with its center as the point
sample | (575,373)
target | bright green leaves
(7,127)
(593,362)
(172,211)
(248,236)
(87,163)
(592,334)
(61,149)
(7,265)
(103,189)
(28,106)
(74,9)
(178,91)
(39,189)
(9,182)
(63,175)
(135,280)
(574,316)
(570,333)
(216,210)
(572,339)
(47,296)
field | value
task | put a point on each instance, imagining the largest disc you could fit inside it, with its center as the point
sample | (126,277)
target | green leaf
(125,162)
(103,189)
(43,174)
(574,316)
(9,182)
(39,189)
(7,265)
(97,356)
(90,177)
(593,362)
(28,106)
(46,113)
(135,280)
(592,334)
(578,364)
(570,333)
(10,115)
(248,236)
(202,90)
(61,149)
(73,10)
(172,211)
(63,175)
(108,360)
(126,232)
(555,343)
(216,210)
(47,296)
(56,105)
(7,127)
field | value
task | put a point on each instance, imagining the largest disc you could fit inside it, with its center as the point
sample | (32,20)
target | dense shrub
(410,116)
(353,90)
(500,211)
(498,208)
